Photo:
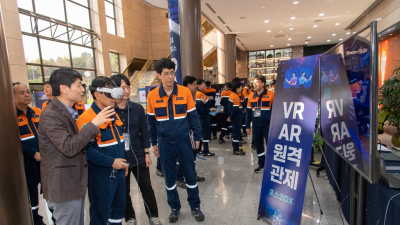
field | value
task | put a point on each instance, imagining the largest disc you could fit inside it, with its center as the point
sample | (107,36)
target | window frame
(119,63)
(41,65)
(114,19)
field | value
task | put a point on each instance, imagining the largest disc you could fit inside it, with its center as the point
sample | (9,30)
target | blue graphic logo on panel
(175,39)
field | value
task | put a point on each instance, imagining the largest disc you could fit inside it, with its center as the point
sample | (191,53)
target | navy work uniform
(170,119)
(28,130)
(106,186)
(245,97)
(224,102)
(235,114)
(203,110)
(211,92)
(79,107)
(259,113)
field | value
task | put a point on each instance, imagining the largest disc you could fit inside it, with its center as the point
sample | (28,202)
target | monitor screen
(346,94)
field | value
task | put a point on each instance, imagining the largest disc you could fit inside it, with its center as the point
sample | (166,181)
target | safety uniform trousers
(106,190)
(142,176)
(179,172)
(205,134)
(169,154)
(225,127)
(213,121)
(236,132)
(32,172)
(260,133)
(244,123)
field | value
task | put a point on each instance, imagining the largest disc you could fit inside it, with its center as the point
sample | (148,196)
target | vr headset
(109,92)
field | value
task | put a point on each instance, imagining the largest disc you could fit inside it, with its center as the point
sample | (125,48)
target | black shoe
(221,141)
(244,135)
(259,170)
(228,137)
(214,138)
(200,179)
(200,152)
(208,154)
(174,216)
(239,152)
(198,215)
(181,184)
(243,142)
(159,173)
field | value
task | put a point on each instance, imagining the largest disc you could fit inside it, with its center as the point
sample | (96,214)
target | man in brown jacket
(62,147)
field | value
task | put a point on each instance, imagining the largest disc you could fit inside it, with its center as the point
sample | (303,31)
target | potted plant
(389,98)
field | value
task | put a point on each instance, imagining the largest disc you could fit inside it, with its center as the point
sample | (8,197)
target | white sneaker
(155,221)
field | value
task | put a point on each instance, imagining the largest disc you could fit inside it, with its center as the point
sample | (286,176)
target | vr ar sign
(295,130)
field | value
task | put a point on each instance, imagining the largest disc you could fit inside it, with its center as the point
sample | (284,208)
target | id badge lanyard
(257,111)
(127,136)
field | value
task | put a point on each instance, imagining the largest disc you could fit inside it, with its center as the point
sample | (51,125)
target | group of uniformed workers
(178,122)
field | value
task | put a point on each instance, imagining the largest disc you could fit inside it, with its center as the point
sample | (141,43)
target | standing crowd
(71,151)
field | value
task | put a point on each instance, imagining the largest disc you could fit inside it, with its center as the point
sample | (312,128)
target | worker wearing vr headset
(106,157)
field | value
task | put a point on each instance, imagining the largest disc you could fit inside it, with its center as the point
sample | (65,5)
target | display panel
(348,93)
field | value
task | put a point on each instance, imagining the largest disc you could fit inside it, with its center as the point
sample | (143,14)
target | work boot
(200,179)
(131,221)
(159,173)
(155,221)
(181,184)
(239,152)
(221,141)
(174,216)
(198,215)
(259,170)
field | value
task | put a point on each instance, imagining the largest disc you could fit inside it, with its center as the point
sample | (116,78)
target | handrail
(141,74)
(141,71)
(128,66)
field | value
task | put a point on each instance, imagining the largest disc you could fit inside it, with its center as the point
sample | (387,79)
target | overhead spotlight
(378,19)
(266,21)
(348,33)
(289,39)
(337,24)
(291,28)
(288,44)
(292,18)
(315,26)
(272,46)
(309,37)
(321,14)
(269,31)
(328,40)
(341,39)
(333,34)
(295,3)
(354,32)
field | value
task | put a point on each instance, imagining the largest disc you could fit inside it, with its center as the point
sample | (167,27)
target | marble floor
(230,194)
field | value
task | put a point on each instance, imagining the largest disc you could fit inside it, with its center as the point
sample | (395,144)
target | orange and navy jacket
(235,106)
(224,100)
(211,92)
(108,144)
(28,131)
(264,101)
(79,107)
(170,118)
(203,109)
(245,95)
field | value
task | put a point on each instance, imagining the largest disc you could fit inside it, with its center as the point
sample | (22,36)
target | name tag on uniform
(159,101)
(257,112)
(266,96)
(180,98)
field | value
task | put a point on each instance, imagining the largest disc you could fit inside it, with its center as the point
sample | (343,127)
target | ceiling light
(272,46)
(309,37)
(321,14)
(315,26)
(354,32)
(288,44)
(269,31)
(295,3)
(266,21)
(293,18)
(263,7)
(337,24)
(291,28)
(348,11)
(348,33)
(289,39)
(328,40)
(333,34)
(341,39)
(306,42)
(378,19)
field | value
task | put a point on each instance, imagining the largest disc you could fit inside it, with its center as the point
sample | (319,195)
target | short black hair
(248,85)
(208,83)
(46,82)
(236,85)
(261,78)
(117,78)
(228,84)
(200,81)
(272,83)
(101,81)
(188,80)
(236,79)
(63,76)
(164,64)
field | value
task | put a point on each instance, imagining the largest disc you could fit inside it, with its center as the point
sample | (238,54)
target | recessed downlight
(348,33)
(292,18)
(295,3)
(333,34)
(272,46)
(269,31)
(306,42)
(337,24)
(263,7)
(328,40)
(315,26)
(291,28)
(309,37)
(321,14)
(288,44)
(378,19)
(341,39)
(289,39)
(266,21)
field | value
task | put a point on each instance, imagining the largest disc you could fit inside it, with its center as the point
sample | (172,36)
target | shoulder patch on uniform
(159,101)
(180,98)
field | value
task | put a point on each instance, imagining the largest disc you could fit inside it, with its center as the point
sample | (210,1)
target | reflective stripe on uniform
(115,220)
(261,154)
(265,109)
(235,141)
(179,117)
(172,188)
(162,119)
(205,140)
(191,186)
(34,207)
(109,144)
(27,138)
(191,109)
